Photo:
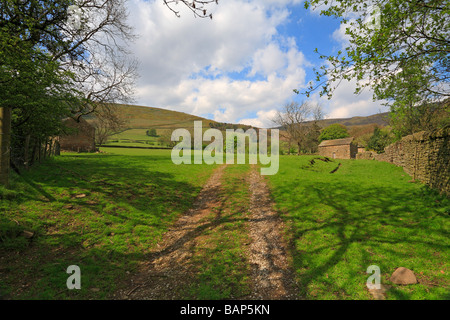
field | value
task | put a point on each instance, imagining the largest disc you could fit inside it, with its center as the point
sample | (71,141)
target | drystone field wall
(425,156)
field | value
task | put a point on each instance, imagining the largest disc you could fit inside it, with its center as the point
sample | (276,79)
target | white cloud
(190,65)
(263,119)
(236,67)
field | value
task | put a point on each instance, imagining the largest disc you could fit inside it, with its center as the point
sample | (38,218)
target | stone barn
(80,137)
(338,148)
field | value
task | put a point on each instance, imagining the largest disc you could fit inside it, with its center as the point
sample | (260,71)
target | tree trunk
(26,156)
(5,145)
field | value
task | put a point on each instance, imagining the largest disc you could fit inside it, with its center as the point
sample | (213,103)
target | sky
(241,66)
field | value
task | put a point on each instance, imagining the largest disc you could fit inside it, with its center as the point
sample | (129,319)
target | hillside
(140,119)
(380,119)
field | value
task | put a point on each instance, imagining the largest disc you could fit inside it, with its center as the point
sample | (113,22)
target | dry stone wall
(425,156)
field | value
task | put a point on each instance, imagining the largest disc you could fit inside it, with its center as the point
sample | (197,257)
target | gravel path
(268,253)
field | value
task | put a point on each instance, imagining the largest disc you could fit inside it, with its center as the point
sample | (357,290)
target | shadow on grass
(343,228)
(126,204)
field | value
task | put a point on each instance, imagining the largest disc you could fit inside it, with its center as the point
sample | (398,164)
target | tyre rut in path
(168,270)
(272,275)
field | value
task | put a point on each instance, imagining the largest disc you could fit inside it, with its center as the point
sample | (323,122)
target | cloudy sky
(240,66)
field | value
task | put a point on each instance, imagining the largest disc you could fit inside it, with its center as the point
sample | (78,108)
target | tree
(379,140)
(107,122)
(58,62)
(414,118)
(399,48)
(198,7)
(151,132)
(300,122)
(165,138)
(333,131)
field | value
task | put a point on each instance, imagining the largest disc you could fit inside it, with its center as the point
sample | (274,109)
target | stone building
(338,148)
(80,136)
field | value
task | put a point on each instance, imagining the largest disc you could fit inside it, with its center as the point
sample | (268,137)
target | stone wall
(425,156)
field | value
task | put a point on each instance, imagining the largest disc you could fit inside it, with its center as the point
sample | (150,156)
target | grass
(366,213)
(102,212)
(105,212)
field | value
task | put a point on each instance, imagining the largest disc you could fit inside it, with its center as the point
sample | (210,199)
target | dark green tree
(151,132)
(56,62)
(379,140)
(399,48)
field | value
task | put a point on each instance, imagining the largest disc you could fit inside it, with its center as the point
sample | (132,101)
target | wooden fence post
(5,144)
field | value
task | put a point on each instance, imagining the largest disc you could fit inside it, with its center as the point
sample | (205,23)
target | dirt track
(169,270)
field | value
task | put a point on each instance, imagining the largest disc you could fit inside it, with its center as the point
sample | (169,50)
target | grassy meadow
(104,212)
(366,213)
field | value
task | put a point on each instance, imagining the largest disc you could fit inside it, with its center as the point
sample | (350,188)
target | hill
(379,119)
(141,118)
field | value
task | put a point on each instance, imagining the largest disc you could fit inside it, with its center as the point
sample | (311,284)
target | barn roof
(336,142)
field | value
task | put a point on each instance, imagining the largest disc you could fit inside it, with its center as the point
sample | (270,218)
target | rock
(28,234)
(403,276)
(82,195)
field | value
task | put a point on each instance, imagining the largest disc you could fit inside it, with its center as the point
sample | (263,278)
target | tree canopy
(399,48)
(333,131)
(61,58)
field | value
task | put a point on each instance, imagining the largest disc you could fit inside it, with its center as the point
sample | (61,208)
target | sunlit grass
(102,212)
(366,213)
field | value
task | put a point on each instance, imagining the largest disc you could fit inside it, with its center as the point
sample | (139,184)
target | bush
(379,140)
(151,133)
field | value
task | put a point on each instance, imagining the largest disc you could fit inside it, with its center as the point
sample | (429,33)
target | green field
(366,213)
(104,212)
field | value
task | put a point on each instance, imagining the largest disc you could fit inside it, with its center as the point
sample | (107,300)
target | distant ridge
(143,117)
(381,119)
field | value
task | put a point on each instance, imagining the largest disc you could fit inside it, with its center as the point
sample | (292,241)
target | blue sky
(242,65)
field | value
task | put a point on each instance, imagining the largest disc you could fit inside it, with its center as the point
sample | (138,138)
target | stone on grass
(403,276)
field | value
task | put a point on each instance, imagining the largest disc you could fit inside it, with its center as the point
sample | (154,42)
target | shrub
(379,140)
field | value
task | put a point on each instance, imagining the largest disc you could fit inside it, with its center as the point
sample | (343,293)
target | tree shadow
(119,199)
(378,225)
